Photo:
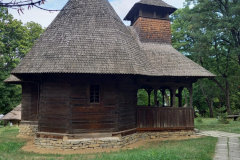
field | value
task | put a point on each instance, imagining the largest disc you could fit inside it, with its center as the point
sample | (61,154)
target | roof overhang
(137,6)
(12,80)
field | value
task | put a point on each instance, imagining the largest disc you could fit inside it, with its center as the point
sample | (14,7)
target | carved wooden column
(155,96)
(149,95)
(173,96)
(191,96)
(163,95)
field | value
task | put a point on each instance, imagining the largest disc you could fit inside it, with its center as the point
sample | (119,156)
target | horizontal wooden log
(94,126)
(53,129)
(91,116)
(93,110)
(165,129)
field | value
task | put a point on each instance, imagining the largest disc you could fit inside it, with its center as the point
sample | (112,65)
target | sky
(45,18)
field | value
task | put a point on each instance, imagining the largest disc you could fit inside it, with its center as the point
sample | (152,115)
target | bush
(223,118)
(236,112)
(199,119)
(1,123)
(238,119)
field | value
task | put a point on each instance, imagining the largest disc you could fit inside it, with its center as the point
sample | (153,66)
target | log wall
(54,111)
(29,101)
(127,100)
(65,105)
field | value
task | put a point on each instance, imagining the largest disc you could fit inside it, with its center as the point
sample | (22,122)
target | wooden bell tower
(151,21)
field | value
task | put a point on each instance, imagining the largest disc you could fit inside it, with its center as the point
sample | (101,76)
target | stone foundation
(107,142)
(28,130)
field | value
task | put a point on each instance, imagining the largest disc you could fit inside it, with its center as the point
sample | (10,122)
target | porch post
(173,97)
(163,94)
(180,96)
(155,96)
(191,96)
(149,95)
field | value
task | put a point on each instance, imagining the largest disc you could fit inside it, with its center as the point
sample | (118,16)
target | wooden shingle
(89,37)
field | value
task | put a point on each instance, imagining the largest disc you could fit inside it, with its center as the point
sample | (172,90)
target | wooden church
(81,78)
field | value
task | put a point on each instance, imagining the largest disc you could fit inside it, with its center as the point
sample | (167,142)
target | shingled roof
(12,79)
(154,3)
(159,3)
(167,61)
(87,36)
(15,114)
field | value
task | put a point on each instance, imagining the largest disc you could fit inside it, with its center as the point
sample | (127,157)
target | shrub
(199,119)
(223,118)
(238,119)
(236,112)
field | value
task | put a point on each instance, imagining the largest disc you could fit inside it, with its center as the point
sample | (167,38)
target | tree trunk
(210,104)
(209,101)
(186,102)
(166,98)
(227,94)
(228,106)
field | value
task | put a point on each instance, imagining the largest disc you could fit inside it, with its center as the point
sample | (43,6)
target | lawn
(212,124)
(197,149)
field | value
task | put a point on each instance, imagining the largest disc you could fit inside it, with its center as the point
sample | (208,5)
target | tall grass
(213,124)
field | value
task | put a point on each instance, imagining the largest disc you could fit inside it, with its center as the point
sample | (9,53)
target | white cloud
(45,18)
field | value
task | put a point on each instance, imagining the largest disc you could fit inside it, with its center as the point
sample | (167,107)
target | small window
(94,94)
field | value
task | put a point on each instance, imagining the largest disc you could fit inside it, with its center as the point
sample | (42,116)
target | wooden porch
(164,118)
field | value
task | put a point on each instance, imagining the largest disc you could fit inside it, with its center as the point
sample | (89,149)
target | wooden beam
(164,129)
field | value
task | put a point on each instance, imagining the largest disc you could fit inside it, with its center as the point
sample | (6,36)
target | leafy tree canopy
(16,40)
(208,32)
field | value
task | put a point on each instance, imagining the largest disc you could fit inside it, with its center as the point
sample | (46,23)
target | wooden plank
(165,117)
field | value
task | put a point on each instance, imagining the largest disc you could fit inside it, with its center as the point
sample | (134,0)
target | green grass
(212,124)
(197,149)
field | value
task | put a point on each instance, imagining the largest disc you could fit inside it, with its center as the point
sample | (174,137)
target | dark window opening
(94,94)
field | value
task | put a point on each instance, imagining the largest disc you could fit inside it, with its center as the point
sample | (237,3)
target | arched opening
(176,99)
(186,98)
(183,97)
(142,97)
(145,96)
(167,95)
(159,98)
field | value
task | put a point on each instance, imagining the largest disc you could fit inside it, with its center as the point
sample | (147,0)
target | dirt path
(30,147)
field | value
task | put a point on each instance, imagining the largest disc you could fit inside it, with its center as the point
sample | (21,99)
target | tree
(15,41)
(18,4)
(209,34)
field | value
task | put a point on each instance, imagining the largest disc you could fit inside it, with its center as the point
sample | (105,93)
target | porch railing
(150,118)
